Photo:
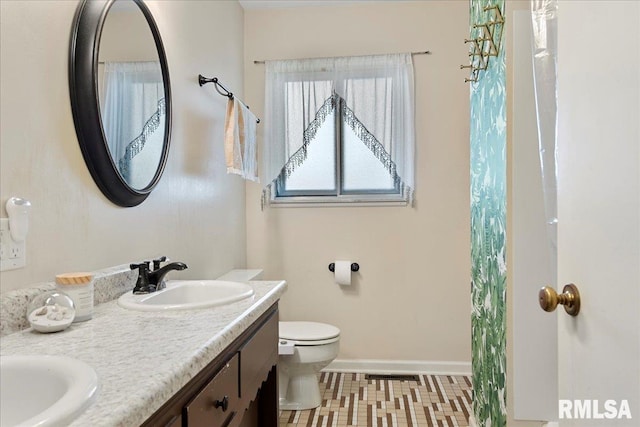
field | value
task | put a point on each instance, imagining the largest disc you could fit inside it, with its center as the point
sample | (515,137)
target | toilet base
(302,392)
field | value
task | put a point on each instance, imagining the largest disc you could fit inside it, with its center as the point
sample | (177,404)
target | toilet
(304,349)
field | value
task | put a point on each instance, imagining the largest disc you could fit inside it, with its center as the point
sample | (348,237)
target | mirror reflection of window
(131,93)
(133,118)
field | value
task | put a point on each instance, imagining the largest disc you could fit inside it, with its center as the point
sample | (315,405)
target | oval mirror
(120,97)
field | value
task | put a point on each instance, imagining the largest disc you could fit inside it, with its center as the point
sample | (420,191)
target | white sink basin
(44,390)
(188,294)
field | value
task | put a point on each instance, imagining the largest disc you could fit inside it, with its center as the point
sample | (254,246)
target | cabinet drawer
(257,357)
(218,401)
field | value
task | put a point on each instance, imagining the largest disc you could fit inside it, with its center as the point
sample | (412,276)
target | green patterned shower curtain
(488,232)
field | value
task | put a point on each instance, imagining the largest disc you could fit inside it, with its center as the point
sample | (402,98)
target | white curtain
(133,116)
(378,101)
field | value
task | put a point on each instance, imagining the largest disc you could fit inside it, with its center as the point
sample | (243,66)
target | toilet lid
(307,331)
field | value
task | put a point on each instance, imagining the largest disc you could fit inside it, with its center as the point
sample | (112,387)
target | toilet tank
(242,275)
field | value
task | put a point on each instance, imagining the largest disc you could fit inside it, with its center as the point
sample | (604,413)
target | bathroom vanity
(238,388)
(213,367)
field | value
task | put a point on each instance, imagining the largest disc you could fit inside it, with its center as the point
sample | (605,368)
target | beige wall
(196,213)
(410,300)
(126,37)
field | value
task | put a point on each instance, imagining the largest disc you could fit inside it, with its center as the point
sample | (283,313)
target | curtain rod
(425,52)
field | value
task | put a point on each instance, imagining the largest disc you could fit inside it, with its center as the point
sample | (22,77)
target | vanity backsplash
(108,284)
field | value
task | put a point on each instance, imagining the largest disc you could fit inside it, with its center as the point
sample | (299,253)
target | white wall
(410,300)
(196,213)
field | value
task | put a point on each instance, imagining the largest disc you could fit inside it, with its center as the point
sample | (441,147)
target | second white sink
(44,390)
(188,294)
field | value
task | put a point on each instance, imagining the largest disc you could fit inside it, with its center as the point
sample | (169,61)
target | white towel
(240,141)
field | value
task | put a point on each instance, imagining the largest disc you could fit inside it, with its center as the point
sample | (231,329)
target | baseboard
(372,366)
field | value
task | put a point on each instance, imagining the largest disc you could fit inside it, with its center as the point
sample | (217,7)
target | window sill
(335,202)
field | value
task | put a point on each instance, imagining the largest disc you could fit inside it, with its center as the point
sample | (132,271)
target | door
(599,210)
(532,265)
(598,352)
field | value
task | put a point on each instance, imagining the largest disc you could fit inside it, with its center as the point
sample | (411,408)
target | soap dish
(51,311)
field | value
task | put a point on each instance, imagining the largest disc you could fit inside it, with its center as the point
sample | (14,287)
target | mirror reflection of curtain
(133,115)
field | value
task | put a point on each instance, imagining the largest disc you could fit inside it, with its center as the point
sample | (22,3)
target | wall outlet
(12,254)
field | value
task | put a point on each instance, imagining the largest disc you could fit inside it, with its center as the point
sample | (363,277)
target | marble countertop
(144,358)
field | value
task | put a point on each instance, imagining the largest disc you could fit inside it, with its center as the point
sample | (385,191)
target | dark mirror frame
(83,87)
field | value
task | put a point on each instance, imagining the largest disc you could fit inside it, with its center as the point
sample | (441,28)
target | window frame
(338,196)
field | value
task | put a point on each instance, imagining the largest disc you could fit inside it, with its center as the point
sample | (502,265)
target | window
(338,162)
(340,130)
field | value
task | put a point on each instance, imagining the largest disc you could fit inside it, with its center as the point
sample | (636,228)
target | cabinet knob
(224,403)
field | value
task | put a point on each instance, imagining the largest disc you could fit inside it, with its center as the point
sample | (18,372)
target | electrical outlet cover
(12,254)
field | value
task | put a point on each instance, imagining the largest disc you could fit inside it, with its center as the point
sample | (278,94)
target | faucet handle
(143,266)
(142,284)
(156,262)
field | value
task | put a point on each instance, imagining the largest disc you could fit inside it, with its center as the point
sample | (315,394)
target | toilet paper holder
(354,267)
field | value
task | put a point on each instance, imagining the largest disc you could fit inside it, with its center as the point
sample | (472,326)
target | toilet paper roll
(343,273)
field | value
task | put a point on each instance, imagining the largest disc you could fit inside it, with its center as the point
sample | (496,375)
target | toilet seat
(308,333)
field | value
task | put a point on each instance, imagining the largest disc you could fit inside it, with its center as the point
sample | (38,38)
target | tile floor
(351,400)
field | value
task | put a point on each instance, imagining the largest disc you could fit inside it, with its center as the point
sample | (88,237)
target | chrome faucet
(152,281)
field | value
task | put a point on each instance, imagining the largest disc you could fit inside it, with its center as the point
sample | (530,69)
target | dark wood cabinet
(257,356)
(218,402)
(238,388)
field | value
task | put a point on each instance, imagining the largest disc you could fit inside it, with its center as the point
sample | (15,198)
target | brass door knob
(570,298)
